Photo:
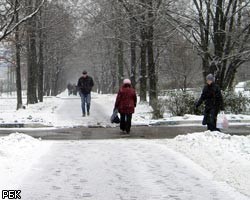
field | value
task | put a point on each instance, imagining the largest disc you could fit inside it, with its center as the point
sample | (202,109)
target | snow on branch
(7,28)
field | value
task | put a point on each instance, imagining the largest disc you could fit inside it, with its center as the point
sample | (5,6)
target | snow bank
(143,114)
(41,113)
(226,157)
(18,152)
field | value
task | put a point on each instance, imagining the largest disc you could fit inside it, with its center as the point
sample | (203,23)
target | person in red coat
(125,103)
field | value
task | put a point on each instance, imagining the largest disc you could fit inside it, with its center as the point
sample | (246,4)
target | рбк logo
(11,194)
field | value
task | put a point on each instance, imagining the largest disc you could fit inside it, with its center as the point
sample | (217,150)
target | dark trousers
(210,116)
(125,123)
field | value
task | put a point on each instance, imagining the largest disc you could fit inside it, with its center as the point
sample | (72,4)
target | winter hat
(84,72)
(210,77)
(126,81)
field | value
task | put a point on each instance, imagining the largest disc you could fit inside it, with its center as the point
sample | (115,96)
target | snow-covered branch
(9,26)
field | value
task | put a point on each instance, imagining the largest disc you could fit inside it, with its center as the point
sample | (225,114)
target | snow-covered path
(70,114)
(120,169)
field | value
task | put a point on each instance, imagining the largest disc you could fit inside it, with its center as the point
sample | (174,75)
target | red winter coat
(126,100)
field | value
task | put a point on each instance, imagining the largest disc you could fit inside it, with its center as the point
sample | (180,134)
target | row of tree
(41,33)
(154,43)
(164,42)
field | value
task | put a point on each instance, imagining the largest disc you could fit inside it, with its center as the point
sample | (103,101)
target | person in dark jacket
(213,99)
(85,85)
(125,103)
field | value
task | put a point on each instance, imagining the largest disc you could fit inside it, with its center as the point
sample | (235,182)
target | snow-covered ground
(65,111)
(226,157)
(18,152)
(196,166)
(127,169)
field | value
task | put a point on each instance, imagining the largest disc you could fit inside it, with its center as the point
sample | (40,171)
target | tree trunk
(150,51)
(133,51)
(143,71)
(47,69)
(120,62)
(185,83)
(18,66)
(41,60)
(54,89)
(205,66)
(153,97)
(113,74)
(31,58)
(112,62)
(47,82)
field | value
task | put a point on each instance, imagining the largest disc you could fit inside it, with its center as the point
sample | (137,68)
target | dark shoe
(83,114)
(125,134)
(88,113)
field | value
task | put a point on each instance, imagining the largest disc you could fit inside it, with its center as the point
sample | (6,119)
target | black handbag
(114,117)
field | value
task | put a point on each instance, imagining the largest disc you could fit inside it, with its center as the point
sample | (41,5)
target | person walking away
(85,85)
(125,103)
(213,99)
(69,87)
(74,89)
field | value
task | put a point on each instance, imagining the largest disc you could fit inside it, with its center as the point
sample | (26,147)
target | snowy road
(120,169)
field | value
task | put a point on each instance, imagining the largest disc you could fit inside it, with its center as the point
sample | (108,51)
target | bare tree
(13,14)
(182,64)
(31,46)
(18,64)
(56,42)
(220,31)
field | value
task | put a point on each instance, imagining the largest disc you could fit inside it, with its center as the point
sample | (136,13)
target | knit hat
(210,77)
(126,81)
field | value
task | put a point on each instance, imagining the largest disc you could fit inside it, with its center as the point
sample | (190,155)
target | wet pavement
(148,132)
